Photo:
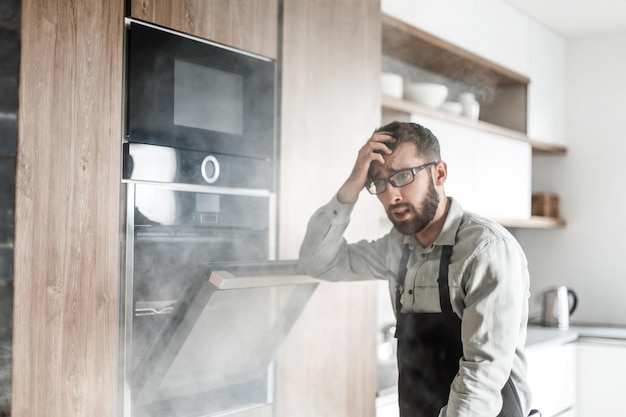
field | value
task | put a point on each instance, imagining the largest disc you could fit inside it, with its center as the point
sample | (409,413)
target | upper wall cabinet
(546,93)
(503,93)
(489,28)
(250,25)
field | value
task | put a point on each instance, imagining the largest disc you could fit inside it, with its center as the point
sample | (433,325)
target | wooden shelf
(534,222)
(421,49)
(405,106)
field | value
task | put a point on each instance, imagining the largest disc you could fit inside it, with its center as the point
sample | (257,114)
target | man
(459,281)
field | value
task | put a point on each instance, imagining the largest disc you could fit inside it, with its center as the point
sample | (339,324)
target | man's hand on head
(374,150)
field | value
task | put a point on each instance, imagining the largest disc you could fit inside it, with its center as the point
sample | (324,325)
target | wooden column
(331,59)
(67,209)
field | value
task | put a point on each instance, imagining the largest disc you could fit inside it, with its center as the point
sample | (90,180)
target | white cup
(392,85)
(471,107)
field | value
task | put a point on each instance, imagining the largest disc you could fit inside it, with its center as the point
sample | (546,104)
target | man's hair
(424,140)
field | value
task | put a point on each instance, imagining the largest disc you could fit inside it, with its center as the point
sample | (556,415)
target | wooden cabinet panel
(330,106)
(327,365)
(66,269)
(251,25)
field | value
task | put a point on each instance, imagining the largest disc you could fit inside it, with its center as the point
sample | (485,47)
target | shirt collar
(451,224)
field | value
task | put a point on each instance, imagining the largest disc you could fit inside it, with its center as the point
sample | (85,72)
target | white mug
(471,107)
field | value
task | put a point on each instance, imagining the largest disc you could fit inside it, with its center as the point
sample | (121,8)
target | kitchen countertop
(544,336)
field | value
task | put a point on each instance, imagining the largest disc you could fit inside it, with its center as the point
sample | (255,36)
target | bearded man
(460,282)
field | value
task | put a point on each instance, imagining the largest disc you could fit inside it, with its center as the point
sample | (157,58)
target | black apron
(429,350)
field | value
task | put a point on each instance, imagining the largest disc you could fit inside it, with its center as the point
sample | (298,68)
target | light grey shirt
(489,290)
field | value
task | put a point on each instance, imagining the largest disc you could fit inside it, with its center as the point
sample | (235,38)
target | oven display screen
(208,203)
(207,98)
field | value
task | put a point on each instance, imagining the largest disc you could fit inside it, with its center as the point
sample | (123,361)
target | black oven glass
(192,94)
(174,231)
(193,84)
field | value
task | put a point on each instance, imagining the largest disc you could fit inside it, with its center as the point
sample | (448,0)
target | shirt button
(335,212)
(424,255)
(410,292)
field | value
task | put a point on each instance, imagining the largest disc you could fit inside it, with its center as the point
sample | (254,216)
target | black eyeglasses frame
(414,171)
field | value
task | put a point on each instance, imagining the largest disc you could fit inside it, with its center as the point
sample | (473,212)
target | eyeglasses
(399,179)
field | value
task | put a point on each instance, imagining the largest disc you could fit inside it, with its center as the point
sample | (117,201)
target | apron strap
(404,261)
(444,288)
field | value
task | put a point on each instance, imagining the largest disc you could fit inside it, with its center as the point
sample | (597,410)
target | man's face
(411,207)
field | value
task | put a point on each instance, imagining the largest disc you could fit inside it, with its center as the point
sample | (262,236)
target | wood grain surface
(250,25)
(331,62)
(66,273)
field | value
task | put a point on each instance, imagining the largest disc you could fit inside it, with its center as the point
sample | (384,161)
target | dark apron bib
(429,350)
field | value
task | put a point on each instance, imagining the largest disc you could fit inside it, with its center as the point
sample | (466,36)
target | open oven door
(213,354)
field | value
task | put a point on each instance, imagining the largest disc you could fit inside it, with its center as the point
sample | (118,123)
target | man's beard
(417,221)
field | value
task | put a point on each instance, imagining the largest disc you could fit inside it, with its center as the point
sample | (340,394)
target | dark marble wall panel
(9,72)
(9,81)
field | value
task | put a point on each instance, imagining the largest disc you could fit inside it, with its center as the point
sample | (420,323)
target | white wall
(590,179)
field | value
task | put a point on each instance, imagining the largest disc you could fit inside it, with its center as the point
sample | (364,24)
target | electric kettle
(558,304)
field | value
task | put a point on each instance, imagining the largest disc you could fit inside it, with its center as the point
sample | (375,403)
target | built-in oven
(176,228)
(204,303)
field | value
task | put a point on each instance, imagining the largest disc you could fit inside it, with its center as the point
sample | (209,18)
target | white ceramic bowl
(452,107)
(392,85)
(427,94)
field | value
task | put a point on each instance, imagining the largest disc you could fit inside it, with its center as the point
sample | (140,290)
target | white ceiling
(577,18)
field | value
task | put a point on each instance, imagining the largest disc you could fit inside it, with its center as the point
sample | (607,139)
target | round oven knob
(210,169)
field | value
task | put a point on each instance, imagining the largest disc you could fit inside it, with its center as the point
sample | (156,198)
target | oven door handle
(224,280)
(210,159)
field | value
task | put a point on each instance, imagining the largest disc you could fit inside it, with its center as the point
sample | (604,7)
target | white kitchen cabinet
(387,406)
(502,35)
(487,174)
(601,377)
(546,92)
(434,16)
(552,374)
(489,28)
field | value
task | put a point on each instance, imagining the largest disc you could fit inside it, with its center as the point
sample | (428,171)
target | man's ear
(441,173)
